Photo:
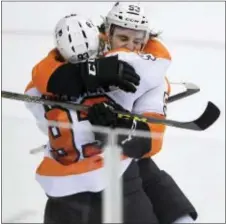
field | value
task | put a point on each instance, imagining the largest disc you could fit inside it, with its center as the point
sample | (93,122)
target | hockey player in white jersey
(71,172)
(119,95)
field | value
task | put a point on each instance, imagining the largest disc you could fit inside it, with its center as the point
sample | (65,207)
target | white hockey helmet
(128,15)
(76,38)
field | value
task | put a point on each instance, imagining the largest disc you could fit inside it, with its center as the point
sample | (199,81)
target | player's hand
(133,146)
(102,114)
(127,78)
(110,71)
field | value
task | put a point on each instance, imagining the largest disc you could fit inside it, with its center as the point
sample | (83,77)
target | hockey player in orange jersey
(153,46)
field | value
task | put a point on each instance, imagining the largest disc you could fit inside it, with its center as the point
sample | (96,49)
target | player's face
(127,38)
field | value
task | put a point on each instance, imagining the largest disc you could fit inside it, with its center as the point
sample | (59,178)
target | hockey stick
(207,118)
(37,149)
(190,90)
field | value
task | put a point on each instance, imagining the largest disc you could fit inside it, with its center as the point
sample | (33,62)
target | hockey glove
(133,146)
(109,71)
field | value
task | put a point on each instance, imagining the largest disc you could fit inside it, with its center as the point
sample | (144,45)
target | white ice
(194,33)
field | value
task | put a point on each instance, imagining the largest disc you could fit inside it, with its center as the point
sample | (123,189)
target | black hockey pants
(87,207)
(168,200)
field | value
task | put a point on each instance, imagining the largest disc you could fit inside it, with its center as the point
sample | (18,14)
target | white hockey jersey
(73,163)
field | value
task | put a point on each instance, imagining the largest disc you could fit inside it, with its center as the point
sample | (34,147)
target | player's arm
(153,104)
(133,146)
(157,49)
(37,110)
(53,75)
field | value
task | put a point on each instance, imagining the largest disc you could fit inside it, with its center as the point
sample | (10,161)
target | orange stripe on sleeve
(42,72)
(50,167)
(156,48)
(158,130)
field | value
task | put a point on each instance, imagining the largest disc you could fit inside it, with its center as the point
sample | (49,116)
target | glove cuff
(89,75)
(107,67)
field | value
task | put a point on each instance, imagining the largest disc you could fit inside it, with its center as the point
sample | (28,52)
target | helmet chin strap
(107,46)
(104,46)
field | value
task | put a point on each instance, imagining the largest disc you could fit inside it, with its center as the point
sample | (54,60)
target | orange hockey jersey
(81,170)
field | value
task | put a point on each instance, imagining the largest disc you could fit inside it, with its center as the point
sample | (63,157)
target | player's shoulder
(157,49)
(43,70)
(144,63)
(32,90)
(127,55)
(118,51)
